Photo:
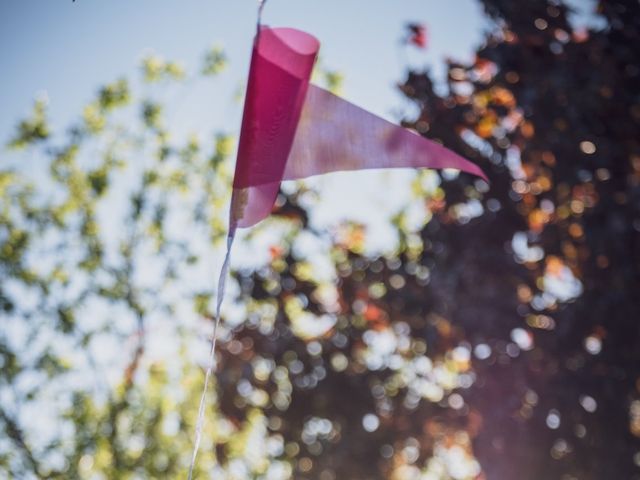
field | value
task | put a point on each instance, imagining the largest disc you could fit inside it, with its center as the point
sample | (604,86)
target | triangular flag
(293,130)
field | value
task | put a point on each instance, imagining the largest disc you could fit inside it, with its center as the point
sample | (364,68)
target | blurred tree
(545,282)
(95,246)
(498,340)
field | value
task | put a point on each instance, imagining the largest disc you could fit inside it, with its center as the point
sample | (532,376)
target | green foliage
(214,62)
(33,129)
(114,95)
(156,69)
(151,114)
(331,79)
(110,97)
(74,251)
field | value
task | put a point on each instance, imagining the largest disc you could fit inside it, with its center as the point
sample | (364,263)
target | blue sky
(67,49)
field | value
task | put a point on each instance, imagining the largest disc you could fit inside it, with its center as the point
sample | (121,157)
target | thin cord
(261,4)
(220,296)
(212,353)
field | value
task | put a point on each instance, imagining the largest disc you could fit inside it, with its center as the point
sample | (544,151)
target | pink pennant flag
(293,130)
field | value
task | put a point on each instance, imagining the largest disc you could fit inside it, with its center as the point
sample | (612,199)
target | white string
(220,296)
(261,4)
(212,353)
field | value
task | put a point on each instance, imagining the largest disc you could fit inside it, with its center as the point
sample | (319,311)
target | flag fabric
(292,129)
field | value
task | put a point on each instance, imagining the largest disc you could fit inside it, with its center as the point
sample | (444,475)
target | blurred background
(397,325)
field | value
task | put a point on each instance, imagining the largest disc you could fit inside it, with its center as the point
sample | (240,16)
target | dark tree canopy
(554,119)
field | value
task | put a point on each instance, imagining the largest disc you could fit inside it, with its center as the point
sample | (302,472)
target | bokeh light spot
(370,422)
